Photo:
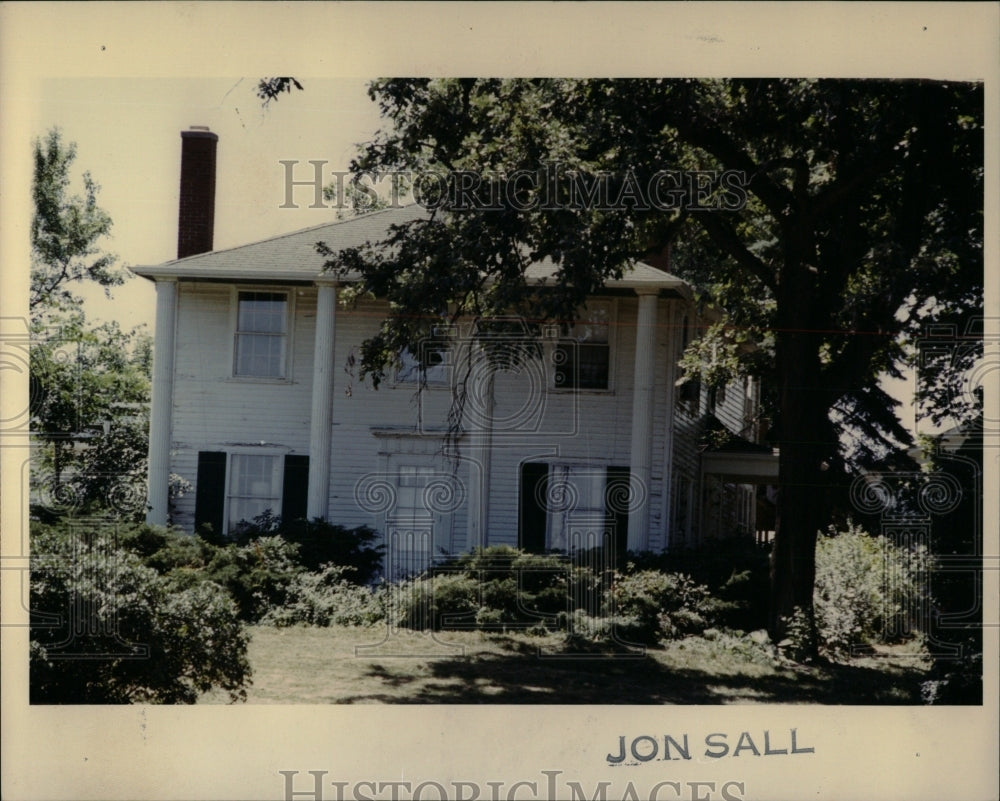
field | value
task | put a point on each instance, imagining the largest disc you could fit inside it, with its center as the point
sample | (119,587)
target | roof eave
(171,270)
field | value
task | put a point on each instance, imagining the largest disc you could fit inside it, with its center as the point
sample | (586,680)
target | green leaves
(65,230)
(109,630)
(92,386)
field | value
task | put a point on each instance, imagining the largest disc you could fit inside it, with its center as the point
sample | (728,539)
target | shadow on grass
(521,676)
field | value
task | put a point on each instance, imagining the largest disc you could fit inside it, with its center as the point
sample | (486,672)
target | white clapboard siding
(374,430)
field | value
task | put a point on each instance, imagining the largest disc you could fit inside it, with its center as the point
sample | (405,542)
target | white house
(256,404)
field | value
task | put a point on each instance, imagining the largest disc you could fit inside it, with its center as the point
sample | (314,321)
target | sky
(127,133)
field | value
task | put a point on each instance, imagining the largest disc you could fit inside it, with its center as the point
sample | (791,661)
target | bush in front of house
(257,575)
(326,598)
(654,606)
(166,550)
(268,572)
(446,600)
(736,570)
(499,588)
(865,588)
(321,543)
(107,629)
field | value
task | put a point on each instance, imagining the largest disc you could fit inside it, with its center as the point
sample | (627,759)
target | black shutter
(295,488)
(210,493)
(532,508)
(616,503)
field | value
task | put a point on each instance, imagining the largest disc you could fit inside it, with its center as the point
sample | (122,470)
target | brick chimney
(196,217)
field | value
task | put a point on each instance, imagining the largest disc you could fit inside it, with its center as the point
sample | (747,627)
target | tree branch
(707,136)
(724,236)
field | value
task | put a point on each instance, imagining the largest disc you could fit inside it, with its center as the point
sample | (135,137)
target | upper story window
(434,369)
(261,335)
(583,357)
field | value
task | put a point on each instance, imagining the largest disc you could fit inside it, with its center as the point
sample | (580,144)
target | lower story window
(573,507)
(236,487)
(254,487)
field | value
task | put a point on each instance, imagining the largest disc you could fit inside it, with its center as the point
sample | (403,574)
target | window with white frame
(254,486)
(410,526)
(261,342)
(584,361)
(576,506)
(411,481)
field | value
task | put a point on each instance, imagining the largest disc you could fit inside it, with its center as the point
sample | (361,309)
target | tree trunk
(805,442)
(801,513)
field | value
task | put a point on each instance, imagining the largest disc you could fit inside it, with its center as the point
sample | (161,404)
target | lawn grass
(340,665)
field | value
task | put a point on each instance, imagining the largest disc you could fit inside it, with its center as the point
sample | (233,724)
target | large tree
(66,230)
(89,383)
(832,220)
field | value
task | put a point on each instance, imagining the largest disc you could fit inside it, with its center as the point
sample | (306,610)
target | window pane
(261,355)
(595,329)
(593,369)
(410,483)
(254,486)
(262,312)
(585,363)
(262,319)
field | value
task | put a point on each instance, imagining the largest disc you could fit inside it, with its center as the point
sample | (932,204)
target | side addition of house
(257,407)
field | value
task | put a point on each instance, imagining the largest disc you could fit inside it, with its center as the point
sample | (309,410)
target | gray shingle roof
(293,256)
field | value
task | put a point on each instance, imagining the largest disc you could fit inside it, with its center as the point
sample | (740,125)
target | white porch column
(158,494)
(479,418)
(321,420)
(669,398)
(640,467)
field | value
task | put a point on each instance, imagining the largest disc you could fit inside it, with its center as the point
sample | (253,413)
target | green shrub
(800,640)
(320,543)
(854,602)
(502,587)
(656,606)
(326,598)
(957,679)
(581,626)
(435,602)
(720,646)
(495,559)
(165,550)
(106,629)
(257,575)
(735,569)
(499,588)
